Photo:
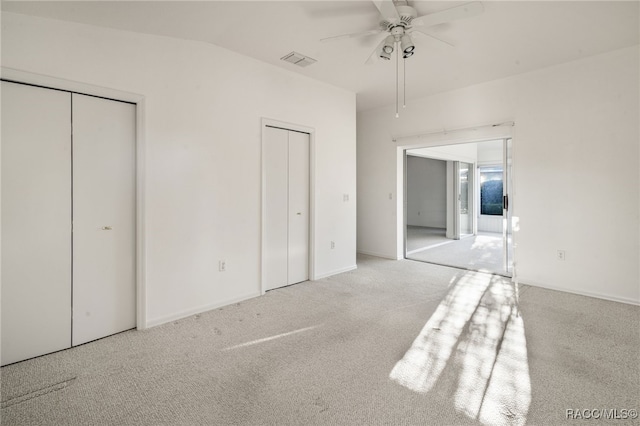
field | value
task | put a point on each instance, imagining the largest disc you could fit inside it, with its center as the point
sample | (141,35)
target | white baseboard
(382,255)
(596,295)
(197,310)
(336,272)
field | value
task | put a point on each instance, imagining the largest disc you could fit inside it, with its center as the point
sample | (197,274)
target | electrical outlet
(561,255)
(333,245)
(222,265)
(345,197)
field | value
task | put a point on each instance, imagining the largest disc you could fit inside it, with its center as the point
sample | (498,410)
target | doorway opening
(457,210)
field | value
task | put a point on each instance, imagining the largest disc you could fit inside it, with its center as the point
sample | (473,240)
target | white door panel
(298,265)
(36,221)
(276,202)
(104,193)
(286,204)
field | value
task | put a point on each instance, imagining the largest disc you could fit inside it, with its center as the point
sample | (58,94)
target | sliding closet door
(104,193)
(298,240)
(36,221)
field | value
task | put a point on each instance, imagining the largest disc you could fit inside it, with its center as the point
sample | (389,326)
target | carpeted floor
(482,252)
(422,237)
(391,343)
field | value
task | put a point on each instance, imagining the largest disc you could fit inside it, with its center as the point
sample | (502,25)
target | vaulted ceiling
(508,38)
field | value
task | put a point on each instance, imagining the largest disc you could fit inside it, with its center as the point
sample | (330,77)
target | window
(491,190)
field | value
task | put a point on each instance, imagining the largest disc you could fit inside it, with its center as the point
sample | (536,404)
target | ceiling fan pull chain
(397,83)
(404,83)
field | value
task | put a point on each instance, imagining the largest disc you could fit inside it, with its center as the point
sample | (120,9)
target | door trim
(25,77)
(481,133)
(264,123)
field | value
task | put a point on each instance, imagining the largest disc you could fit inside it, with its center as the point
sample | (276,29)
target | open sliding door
(507,208)
(458,208)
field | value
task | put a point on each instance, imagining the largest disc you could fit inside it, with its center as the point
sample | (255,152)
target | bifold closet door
(36,221)
(298,238)
(286,204)
(104,212)
(276,205)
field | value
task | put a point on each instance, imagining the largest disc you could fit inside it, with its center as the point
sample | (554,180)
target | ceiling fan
(400,21)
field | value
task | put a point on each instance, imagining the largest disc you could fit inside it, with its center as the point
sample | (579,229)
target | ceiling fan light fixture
(388,45)
(405,55)
(384,55)
(407,45)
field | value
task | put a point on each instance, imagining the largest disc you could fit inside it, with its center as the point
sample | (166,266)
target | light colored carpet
(483,252)
(421,237)
(392,343)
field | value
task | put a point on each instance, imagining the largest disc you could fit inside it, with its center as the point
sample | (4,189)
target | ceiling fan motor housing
(406,13)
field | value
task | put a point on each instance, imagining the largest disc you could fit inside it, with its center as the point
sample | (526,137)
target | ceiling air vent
(298,59)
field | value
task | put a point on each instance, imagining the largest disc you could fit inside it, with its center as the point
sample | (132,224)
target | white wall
(426,192)
(576,161)
(203,181)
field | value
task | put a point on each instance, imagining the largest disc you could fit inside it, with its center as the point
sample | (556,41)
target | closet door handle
(107,228)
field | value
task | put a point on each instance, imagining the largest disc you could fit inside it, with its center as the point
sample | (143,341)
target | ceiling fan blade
(374,55)
(353,35)
(441,42)
(465,11)
(387,10)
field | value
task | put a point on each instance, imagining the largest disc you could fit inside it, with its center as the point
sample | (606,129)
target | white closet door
(275,257)
(298,239)
(36,221)
(104,193)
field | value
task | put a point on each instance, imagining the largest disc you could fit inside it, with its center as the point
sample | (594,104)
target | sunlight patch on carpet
(423,363)
(478,334)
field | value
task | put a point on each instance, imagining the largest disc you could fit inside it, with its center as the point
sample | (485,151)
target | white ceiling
(510,37)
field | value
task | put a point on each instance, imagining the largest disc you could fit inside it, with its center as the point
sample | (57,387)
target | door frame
(268,122)
(457,200)
(49,82)
(482,133)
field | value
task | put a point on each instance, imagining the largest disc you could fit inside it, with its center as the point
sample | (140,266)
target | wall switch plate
(333,245)
(561,255)
(222,265)
(345,197)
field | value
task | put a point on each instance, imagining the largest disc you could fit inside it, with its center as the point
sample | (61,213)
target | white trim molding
(595,295)
(380,255)
(336,272)
(198,310)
